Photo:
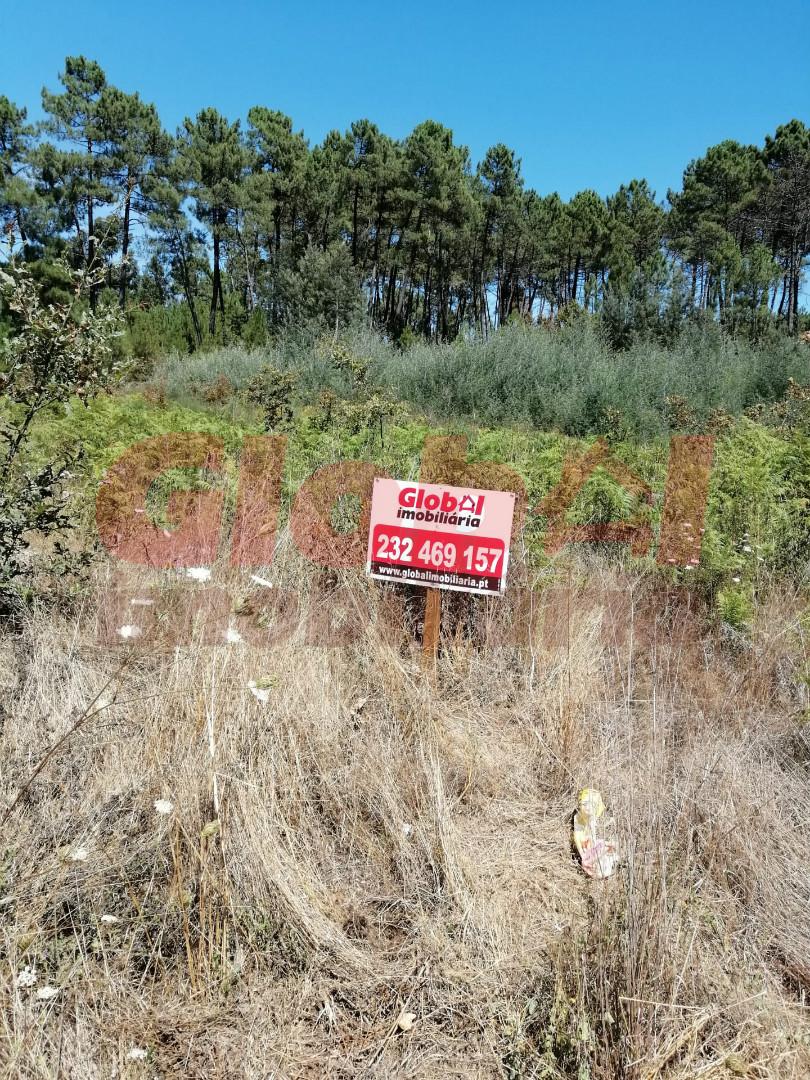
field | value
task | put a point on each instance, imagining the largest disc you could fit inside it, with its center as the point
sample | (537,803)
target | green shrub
(272,391)
(56,352)
(566,379)
(735,608)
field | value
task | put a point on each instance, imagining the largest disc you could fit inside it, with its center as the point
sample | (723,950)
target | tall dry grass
(379,839)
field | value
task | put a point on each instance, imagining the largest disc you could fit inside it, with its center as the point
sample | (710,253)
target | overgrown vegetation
(58,357)
(567,379)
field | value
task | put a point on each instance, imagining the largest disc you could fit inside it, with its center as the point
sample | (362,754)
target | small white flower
(261,693)
(110,920)
(137,1053)
(233,637)
(163,806)
(78,854)
(26,978)
(129,631)
(199,573)
(261,581)
(47,993)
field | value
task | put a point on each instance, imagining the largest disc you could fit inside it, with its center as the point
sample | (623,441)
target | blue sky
(588,95)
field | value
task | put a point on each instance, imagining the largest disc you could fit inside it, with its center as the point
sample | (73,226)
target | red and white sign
(439,536)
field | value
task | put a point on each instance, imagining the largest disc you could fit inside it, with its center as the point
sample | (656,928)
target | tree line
(239,226)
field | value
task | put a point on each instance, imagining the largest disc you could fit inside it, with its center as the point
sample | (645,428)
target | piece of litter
(211,829)
(198,573)
(405,1021)
(233,637)
(598,856)
(328,1012)
(137,1053)
(163,806)
(129,631)
(407,829)
(261,581)
(109,920)
(261,693)
(26,978)
(47,993)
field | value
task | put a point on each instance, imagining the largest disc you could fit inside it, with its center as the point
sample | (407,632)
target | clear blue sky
(589,95)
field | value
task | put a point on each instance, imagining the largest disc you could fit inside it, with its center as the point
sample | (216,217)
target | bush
(566,379)
(272,391)
(569,379)
(323,290)
(58,353)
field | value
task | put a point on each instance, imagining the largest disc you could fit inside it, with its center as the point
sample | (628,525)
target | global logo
(415,504)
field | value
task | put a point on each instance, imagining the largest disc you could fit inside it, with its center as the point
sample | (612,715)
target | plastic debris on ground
(598,854)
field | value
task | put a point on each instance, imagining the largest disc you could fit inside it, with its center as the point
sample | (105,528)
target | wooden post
(433,621)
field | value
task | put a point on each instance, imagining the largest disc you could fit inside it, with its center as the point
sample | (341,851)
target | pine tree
(212,159)
(75,169)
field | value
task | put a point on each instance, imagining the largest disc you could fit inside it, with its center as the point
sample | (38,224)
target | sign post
(432,626)
(439,537)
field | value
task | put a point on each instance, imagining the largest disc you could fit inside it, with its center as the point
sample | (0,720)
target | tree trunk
(575,282)
(781,308)
(354,224)
(125,241)
(195,322)
(91,238)
(216,286)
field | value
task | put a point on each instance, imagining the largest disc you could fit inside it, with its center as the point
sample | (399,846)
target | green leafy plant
(272,391)
(369,406)
(735,608)
(58,353)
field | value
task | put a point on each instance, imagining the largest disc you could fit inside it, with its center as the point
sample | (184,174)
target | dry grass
(286,943)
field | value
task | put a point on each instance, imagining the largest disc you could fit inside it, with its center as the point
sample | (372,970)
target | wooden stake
(433,621)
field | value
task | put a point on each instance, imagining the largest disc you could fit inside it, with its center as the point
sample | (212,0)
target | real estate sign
(439,536)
